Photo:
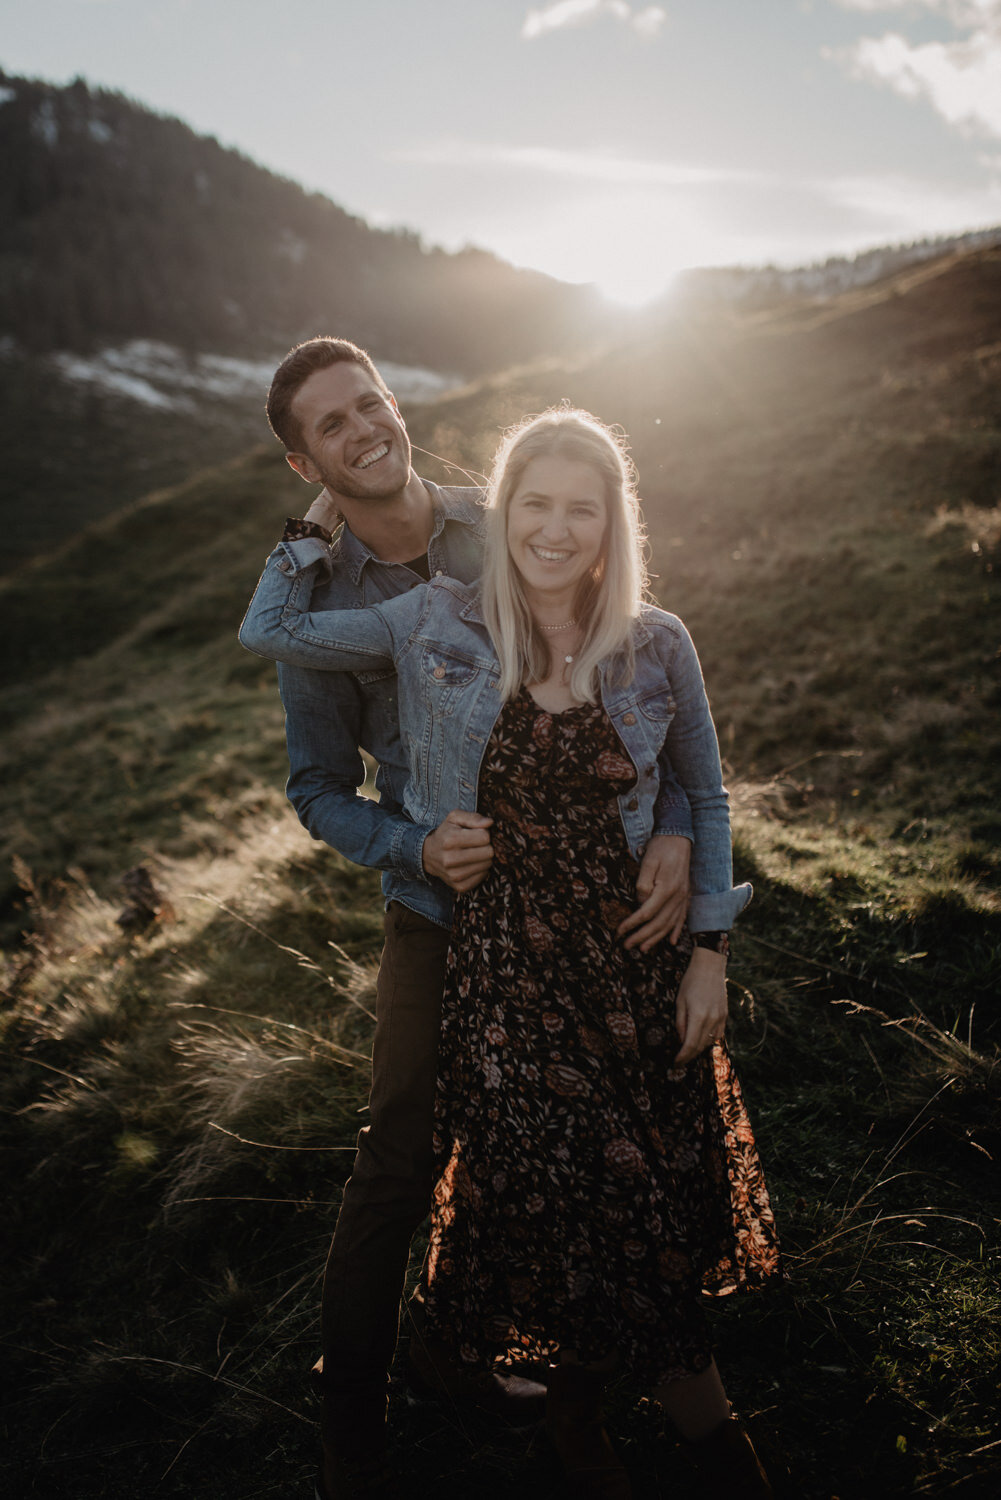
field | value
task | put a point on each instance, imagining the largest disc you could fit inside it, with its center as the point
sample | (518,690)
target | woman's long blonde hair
(608,600)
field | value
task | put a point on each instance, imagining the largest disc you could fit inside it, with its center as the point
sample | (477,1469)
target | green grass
(203,1083)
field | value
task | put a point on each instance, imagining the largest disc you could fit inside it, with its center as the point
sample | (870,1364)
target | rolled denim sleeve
(693,750)
(279,623)
(672,813)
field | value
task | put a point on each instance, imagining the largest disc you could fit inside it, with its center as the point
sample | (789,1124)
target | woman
(596,1168)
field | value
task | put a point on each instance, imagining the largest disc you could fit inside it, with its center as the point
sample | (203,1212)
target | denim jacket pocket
(658,706)
(444,676)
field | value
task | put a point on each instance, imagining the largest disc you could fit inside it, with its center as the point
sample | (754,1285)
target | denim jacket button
(651,770)
(629,719)
(632,804)
(640,850)
(439,671)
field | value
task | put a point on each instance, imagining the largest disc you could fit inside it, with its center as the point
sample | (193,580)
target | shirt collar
(447,507)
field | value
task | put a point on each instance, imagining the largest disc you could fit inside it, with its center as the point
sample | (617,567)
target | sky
(596,140)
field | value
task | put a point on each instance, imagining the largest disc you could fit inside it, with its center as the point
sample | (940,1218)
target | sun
(633,287)
(629,245)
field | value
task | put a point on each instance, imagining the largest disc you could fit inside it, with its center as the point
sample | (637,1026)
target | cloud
(904,206)
(961,79)
(595,166)
(968,13)
(563,13)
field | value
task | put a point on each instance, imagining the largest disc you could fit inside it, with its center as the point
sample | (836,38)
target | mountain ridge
(117,222)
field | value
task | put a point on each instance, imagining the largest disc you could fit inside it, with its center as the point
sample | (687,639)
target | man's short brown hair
(293,372)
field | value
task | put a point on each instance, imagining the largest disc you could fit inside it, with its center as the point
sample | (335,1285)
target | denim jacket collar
(354,554)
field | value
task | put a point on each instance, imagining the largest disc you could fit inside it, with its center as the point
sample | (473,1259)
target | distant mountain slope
(117,223)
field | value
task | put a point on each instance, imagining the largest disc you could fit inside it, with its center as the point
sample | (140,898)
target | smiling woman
(555,529)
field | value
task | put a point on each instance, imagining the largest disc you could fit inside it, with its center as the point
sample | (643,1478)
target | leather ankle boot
(432,1371)
(728,1465)
(354,1463)
(575,1426)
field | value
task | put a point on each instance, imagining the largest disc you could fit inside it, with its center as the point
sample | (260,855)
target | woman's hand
(701,1006)
(662,886)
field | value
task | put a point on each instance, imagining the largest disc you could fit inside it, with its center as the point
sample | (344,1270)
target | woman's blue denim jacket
(449,703)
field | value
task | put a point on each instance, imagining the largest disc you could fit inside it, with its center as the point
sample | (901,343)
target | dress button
(629,718)
(439,671)
(632,804)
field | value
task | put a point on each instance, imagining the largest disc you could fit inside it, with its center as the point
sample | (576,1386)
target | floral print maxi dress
(589,1190)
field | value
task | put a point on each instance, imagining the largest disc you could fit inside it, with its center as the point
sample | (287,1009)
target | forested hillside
(116,223)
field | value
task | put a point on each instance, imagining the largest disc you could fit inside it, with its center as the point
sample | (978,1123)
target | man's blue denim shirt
(330,713)
(331,716)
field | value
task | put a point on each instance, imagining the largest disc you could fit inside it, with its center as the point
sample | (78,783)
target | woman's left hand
(663,888)
(701,1006)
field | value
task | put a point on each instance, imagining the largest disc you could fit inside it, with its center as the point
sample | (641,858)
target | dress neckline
(558,713)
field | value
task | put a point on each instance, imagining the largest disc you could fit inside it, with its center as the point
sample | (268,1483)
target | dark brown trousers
(389,1191)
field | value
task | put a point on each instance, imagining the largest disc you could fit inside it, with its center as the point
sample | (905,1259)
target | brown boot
(432,1371)
(354,1464)
(729,1467)
(574,1423)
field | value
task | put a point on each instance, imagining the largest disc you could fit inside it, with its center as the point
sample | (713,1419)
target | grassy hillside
(822,494)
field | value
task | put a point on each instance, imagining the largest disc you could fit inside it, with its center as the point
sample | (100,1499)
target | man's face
(353,437)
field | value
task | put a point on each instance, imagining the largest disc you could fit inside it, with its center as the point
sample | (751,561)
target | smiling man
(342,429)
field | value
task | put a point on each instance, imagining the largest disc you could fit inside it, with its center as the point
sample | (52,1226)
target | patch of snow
(222,375)
(119,382)
(6,94)
(160,375)
(99,131)
(410,383)
(45,125)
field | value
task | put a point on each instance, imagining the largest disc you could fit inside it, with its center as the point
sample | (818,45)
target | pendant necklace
(568,659)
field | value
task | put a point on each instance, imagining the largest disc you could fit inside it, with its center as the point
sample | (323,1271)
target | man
(342,429)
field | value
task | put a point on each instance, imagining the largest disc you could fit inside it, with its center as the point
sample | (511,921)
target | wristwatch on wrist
(297,531)
(716,942)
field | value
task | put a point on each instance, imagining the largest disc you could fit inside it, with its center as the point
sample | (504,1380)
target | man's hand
(324,511)
(701,1006)
(459,851)
(662,886)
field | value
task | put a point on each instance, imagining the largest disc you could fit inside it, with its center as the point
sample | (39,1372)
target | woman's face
(556,525)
